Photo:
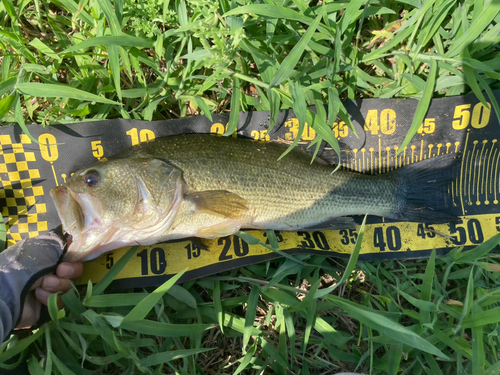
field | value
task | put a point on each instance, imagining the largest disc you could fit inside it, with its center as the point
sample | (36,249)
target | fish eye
(91,178)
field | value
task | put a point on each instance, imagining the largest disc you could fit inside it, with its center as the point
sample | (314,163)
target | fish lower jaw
(78,254)
(82,250)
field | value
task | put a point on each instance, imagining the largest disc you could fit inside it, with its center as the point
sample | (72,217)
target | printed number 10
(156,261)
(143,136)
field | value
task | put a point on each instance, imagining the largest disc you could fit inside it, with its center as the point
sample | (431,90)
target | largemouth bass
(208,186)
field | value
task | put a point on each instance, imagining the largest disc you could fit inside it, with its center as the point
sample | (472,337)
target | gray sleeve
(20,266)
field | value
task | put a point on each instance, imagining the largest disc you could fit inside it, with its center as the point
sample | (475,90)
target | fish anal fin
(334,223)
(222,229)
(219,202)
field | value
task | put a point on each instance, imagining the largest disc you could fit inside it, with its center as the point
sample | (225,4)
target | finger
(36,284)
(53,284)
(31,311)
(42,296)
(70,270)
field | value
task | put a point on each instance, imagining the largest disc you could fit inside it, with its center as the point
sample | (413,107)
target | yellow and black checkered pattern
(18,196)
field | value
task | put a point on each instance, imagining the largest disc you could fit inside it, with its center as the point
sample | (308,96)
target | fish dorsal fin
(219,202)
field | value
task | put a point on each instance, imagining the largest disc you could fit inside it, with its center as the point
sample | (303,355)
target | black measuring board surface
(460,124)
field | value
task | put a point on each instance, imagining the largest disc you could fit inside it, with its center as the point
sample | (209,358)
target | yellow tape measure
(28,170)
(390,240)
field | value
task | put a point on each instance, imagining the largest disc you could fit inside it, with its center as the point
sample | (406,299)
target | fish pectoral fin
(219,202)
(334,223)
(223,229)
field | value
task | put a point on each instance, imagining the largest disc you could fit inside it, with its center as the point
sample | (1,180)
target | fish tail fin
(424,190)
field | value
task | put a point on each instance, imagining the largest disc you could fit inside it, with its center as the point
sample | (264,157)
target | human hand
(44,287)
(22,270)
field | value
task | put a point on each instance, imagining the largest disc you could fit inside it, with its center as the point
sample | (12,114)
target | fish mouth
(80,220)
(91,236)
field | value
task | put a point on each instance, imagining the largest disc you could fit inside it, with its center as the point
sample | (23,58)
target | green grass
(67,61)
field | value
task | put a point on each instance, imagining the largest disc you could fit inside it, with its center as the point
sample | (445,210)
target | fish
(209,186)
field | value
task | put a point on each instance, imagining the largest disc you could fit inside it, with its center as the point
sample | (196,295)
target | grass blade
(164,357)
(19,116)
(149,327)
(482,318)
(470,78)
(204,107)
(479,251)
(144,307)
(114,271)
(292,59)
(385,326)
(6,104)
(348,16)
(353,259)
(469,298)
(270,10)
(273,353)
(48,90)
(426,291)
(218,306)
(250,314)
(246,359)
(113,22)
(7,85)
(324,132)
(19,346)
(300,110)
(234,116)
(123,40)
(422,107)
(114,64)
(106,333)
(475,29)
(479,361)
(251,240)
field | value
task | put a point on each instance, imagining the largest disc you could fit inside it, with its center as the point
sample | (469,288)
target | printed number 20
(240,248)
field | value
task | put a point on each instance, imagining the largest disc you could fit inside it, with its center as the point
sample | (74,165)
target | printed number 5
(97,149)
(109,260)
(462,116)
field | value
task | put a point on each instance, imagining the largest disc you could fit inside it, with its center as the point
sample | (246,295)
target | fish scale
(210,186)
(287,188)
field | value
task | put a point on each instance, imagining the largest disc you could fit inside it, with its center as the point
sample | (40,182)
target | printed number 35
(348,236)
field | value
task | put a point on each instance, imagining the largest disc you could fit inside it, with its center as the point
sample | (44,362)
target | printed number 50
(480,116)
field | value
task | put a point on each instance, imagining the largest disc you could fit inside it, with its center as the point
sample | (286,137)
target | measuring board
(461,124)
